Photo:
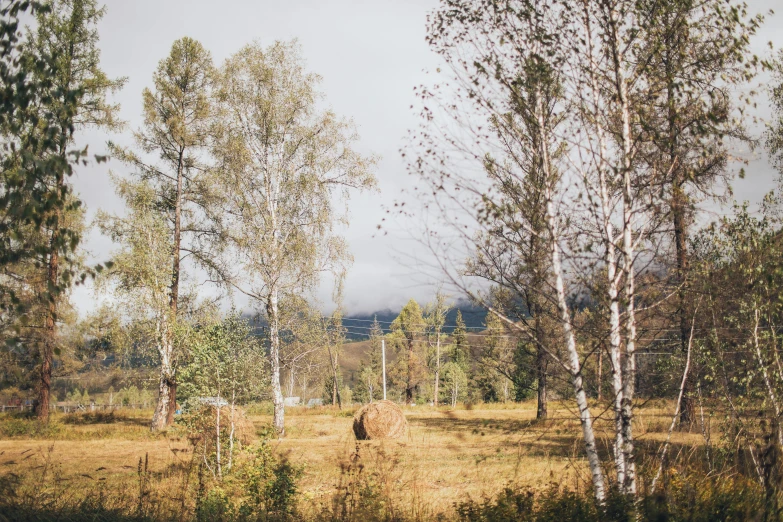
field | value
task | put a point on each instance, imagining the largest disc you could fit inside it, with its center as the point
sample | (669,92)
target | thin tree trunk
(610,257)
(409,384)
(688,411)
(175,276)
(614,327)
(336,399)
(574,367)
(274,355)
(437,368)
(765,374)
(334,387)
(665,447)
(47,355)
(217,439)
(573,363)
(629,363)
(541,370)
(617,378)
(600,373)
(231,433)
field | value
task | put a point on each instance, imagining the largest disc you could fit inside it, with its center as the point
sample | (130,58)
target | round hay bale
(379,420)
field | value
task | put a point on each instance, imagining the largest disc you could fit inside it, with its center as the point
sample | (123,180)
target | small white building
(213,401)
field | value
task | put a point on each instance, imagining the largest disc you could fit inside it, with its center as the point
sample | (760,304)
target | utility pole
(383,365)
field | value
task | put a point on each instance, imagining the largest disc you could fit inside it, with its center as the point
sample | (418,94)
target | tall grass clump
(685,499)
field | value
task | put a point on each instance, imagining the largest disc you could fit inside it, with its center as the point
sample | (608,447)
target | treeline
(432,362)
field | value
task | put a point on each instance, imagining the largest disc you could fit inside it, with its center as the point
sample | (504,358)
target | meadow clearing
(449,455)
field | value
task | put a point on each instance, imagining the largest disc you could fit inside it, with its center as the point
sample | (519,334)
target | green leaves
(226,360)
(283,162)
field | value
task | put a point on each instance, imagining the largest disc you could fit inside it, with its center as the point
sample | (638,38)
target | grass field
(448,455)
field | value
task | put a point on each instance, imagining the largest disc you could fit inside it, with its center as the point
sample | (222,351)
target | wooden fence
(72,407)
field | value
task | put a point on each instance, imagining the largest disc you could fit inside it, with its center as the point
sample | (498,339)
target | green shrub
(271,484)
(511,504)
(215,506)
(22,425)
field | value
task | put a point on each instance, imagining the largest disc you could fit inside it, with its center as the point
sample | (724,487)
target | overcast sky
(371,53)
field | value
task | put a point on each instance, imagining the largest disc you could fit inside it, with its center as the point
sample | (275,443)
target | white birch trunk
(629,364)
(573,364)
(166,352)
(665,447)
(437,369)
(765,374)
(610,257)
(278,420)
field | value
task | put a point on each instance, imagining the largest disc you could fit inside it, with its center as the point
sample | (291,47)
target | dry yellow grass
(447,456)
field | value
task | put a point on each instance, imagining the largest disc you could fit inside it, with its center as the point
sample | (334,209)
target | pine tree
(407,329)
(461,350)
(435,318)
(67,32)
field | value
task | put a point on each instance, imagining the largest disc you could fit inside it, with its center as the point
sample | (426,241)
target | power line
(351,330)
(482,328)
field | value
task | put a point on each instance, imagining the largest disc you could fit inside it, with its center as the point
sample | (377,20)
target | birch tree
(563,101)
(455,381)
(368,379)
(140,273)
(334,339)
(625,53)
(177,120)
(505,62)
(225,364)
(283,162)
